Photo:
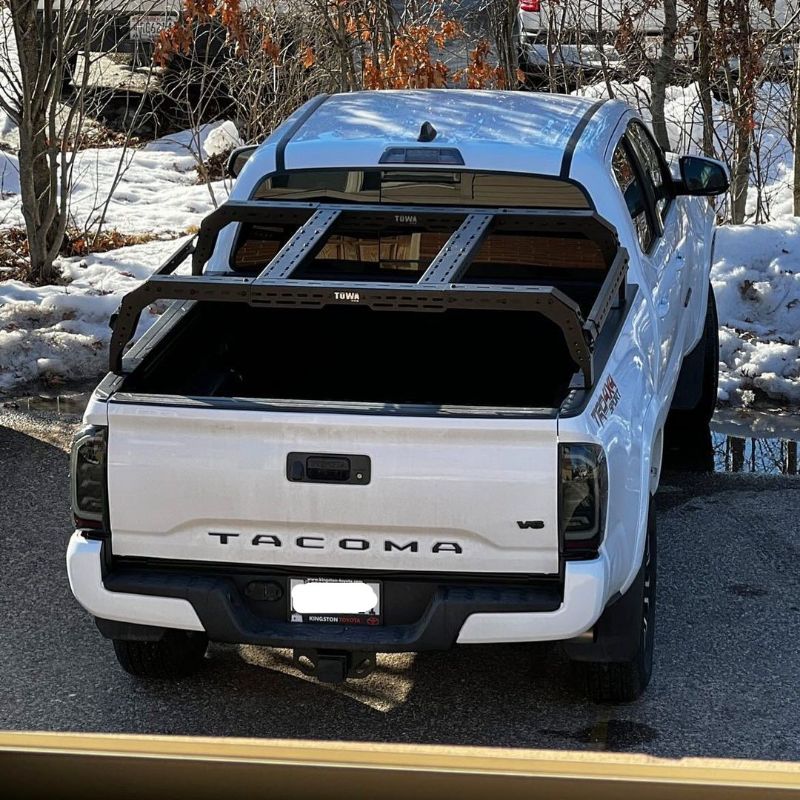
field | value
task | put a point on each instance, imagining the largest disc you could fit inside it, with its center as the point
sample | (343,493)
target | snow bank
(208,140)
(756,280)
(61,332)
(156,186)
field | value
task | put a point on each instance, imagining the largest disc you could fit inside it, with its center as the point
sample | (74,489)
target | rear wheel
(627,626)
(178,654)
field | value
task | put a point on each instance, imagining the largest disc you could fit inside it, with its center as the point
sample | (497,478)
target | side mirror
(702,177)
(238,158)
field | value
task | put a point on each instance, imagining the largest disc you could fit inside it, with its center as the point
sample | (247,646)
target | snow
(756,280)
(157,189)
(61,332)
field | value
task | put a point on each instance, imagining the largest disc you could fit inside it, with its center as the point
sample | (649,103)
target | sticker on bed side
(606,403)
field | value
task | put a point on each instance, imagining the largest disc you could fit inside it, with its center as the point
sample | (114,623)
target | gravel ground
(727,653)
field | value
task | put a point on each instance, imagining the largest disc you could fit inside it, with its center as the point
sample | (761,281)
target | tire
(178,654)
(630,618)
(704,359)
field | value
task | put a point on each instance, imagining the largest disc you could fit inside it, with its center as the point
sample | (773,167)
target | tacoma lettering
(350,544)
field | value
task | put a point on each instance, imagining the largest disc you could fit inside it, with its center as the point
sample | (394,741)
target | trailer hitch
(333,666)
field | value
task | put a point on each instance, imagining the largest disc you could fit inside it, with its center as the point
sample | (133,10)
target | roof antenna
(427,133)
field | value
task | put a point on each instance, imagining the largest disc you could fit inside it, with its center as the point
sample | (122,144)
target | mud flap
(689,389)
(617,634)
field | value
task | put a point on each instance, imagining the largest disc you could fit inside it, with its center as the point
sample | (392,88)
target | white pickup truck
(412,393)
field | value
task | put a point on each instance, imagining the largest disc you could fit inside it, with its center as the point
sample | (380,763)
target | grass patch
(15,252)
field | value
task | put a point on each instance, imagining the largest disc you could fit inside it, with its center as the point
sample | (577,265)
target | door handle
(326,468)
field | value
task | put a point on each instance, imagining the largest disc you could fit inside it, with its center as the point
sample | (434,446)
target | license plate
(146,29)
(684,47)
(334,601)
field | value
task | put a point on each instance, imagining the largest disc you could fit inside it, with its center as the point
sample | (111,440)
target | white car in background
(619,37)
(412,394)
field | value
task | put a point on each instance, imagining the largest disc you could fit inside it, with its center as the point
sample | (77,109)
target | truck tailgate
(201,483)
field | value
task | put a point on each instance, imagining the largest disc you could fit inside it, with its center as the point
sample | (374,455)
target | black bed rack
(437,289)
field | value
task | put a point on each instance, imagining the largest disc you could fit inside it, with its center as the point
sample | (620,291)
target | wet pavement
(727,653)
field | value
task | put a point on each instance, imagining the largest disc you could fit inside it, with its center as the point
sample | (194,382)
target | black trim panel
(280,147)
(569,151)
(421,612)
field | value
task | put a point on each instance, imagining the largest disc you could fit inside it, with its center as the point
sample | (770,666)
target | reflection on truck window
(633,193)
(655,169)
(422,187)
(391,254)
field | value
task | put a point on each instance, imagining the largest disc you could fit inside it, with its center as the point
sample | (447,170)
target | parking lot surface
(727,644)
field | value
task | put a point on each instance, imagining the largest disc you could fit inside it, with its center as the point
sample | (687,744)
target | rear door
(211,484)
(671,255)
(660,229)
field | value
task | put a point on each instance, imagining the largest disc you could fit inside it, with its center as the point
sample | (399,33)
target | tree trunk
(662,72)
(39,186)
(796,184)
(704,72)
(740,174)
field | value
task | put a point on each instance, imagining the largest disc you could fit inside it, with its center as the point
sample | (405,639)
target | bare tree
(796,159)
(45,46)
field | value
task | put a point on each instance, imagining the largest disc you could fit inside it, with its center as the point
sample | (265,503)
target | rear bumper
(421,613)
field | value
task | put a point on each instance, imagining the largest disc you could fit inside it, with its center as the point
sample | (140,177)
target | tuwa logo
(352,297)
(347,543)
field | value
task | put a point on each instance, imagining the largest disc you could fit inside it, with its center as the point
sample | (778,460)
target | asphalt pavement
(727,642)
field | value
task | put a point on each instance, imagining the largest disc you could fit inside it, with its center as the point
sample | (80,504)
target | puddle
(612,734)
(63,404)
(756,442)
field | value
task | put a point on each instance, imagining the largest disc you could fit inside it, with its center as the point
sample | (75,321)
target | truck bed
(355,354)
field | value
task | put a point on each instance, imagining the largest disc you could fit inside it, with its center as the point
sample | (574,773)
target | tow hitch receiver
(334,666)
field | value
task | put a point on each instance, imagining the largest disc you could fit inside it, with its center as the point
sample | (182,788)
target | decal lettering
(354,544)
(223,537)
(264,538)
(607,402)
(302,540)
(388,546)
(446,547)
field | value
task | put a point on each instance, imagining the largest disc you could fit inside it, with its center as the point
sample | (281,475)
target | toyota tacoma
(409,392)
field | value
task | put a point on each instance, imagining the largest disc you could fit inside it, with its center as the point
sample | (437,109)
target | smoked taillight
(88,476)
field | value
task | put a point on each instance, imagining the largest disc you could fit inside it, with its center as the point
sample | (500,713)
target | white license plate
(334,601)
(684,47)
(146,29)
